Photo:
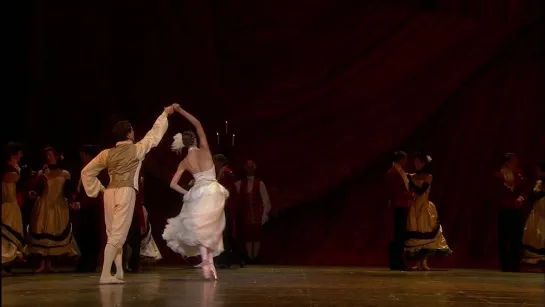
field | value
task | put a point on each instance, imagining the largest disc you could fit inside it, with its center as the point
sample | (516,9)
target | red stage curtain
(319,93)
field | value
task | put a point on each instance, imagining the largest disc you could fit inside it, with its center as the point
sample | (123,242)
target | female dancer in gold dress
(12,221)
(424,232)
(533,240)
(50,230)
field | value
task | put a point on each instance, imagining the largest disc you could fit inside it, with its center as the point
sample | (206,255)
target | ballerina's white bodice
(205,183)
(209,175)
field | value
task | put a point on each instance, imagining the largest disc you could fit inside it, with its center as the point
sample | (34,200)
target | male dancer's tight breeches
(118,212)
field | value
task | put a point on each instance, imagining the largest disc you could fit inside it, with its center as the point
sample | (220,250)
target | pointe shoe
(425,267)
(119,276)
(110,280)
(214,272)
(206,271)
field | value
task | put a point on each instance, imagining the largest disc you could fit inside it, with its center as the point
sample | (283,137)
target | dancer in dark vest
(254,209)
(400,197)
(510,191)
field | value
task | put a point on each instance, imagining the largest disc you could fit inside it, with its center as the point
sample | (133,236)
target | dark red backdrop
(319,93)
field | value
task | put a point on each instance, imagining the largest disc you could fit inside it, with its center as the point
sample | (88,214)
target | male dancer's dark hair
(398,156)
(508,157)
(221,159)
(121,130)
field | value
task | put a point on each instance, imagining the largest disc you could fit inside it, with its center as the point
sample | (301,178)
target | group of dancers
(199,228)
(46,231)
(418,233)
(206,215)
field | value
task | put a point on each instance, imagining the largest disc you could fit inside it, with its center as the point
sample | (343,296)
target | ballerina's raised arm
(203,144)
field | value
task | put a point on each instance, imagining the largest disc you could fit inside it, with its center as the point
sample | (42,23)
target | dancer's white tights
(207,261)
(112,254)
(206,255)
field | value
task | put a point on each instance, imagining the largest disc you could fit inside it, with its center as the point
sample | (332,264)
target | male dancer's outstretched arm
(154,136)
(89,174)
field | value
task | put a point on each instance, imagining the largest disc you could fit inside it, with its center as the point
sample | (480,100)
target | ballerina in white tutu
(198,229)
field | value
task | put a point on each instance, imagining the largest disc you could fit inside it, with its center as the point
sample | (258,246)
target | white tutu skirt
(201,221)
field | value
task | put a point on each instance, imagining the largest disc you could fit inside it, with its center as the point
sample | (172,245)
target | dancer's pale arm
(237,186)
(153,137)
(176,178)
(265,197)
(203,141)
(90,172)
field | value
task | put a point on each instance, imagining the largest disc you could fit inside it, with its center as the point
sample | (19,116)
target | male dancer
(400,197)
(123,163)
(255,208)
(510,191)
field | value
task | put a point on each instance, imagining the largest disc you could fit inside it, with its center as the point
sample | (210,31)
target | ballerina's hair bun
(185,139)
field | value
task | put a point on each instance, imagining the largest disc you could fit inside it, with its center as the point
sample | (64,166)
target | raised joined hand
(169,110)
(176,107)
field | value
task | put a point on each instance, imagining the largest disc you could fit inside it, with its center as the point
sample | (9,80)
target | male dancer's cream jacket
(123,163)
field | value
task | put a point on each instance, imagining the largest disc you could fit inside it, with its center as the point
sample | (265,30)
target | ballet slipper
(119,275)
(214,272)
(110,280)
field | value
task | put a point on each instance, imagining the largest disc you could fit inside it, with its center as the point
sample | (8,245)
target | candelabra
(225,142)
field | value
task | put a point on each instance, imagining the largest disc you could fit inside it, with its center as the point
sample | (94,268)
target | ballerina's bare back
(197,161)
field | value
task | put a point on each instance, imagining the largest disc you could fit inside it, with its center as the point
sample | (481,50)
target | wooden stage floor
(280,286)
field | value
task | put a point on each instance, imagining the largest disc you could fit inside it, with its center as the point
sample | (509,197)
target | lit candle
(233,141)
(226,127)
(218,137)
